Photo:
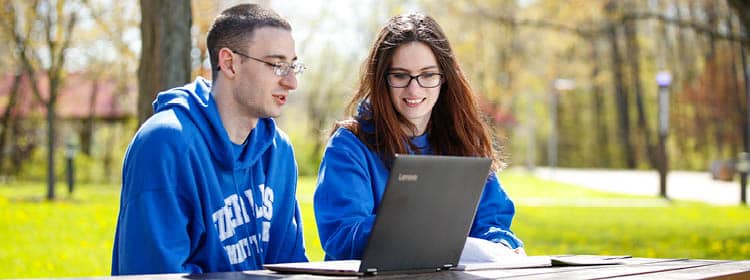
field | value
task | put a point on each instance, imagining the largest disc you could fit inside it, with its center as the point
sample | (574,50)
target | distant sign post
(743,166)
(70,154)
(663,79)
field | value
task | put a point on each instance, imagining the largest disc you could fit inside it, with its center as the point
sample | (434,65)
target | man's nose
(289,81)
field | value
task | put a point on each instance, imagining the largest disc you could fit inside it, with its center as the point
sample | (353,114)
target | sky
(337,23)
(348,26)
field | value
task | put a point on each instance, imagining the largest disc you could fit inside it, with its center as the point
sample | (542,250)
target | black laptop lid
(426,213)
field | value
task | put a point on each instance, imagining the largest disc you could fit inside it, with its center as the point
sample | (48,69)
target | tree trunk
(8,119)
(165,50)
(51,130)
(681,69)
(736,94)
(714,111)
(63,29)
(742,7)
(746,92)
(746,78)
(601,147)
(621,99)
(700,123)
(87,131)
(633,51)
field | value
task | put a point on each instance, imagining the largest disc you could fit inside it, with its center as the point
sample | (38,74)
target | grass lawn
(73,236)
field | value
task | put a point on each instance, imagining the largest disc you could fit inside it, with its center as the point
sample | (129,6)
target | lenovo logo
(407,177)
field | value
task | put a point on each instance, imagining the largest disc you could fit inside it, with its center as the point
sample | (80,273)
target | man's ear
(225,62)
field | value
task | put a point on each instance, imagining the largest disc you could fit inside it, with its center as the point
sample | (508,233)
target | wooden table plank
(633,269)
(513,273)
(538,272)
(609,271)
(722,270)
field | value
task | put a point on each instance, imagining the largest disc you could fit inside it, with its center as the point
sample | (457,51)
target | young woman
(412,98)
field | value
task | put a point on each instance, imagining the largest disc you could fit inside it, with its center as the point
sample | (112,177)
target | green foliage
(304,147)
(103,165)
(512,51)
(73,236)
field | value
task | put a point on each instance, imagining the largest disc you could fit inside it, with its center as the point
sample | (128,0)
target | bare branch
(68,35)
(585,32)
(593,31)
(688,24)
(106,27)
(22,48)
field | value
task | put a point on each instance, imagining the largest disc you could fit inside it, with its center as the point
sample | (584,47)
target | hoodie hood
(197,102)
(364,116)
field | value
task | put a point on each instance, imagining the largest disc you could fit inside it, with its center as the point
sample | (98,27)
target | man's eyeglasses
(425,80)
(280,69)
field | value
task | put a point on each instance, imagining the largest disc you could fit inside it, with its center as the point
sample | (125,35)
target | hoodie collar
(197,102)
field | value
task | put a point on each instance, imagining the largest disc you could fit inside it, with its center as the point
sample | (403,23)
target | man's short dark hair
(233,28)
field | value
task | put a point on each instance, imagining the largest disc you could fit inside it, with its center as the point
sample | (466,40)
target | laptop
(422,222)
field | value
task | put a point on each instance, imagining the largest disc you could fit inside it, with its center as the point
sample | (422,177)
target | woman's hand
(520,251)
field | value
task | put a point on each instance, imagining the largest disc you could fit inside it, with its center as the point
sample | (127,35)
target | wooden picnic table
(633,268)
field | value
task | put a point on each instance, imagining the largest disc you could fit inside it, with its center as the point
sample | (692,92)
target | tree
(622,103)
(742,7)
(165,50)
(112,20)
(635,50)
(8,119)
(43,26)
(633,53)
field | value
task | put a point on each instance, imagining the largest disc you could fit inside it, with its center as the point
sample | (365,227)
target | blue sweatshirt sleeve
(494,215)
(296,244)
(153,237)
(344,199)
(154,228)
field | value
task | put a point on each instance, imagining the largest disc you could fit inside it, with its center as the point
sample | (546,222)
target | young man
(209,181)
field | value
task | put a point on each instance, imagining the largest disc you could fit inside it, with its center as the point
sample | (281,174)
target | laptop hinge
(372,270)
(446,266)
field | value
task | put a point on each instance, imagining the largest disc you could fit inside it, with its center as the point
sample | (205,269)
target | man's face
(258,92)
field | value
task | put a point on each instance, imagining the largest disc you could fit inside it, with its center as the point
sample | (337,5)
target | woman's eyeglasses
(425,80)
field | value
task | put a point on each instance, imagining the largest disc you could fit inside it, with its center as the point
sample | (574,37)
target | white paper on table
(479,254)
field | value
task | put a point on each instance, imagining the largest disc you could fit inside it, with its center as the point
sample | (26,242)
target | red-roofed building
(112,100)
(113,103)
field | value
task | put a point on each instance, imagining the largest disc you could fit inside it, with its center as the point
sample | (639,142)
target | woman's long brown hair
(455,126)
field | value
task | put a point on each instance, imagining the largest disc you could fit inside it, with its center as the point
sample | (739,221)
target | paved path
(682,185)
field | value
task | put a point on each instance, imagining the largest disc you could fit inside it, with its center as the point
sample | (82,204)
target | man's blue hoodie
(192,201)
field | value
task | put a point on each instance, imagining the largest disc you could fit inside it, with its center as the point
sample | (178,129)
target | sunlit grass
(70,237)
(73,236)
(661,229)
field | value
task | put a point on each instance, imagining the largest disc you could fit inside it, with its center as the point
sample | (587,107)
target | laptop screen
(426,213)
(422,222)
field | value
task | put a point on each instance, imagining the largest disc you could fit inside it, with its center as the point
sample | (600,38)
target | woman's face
(414,80)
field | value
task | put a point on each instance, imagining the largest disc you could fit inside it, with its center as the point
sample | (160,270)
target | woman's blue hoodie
(194,202)
(351,182)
